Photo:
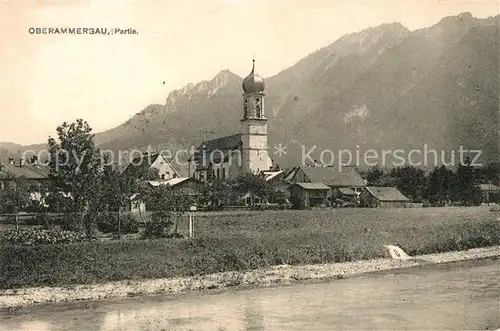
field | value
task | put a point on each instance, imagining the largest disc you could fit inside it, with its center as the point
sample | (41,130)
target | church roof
(224,144)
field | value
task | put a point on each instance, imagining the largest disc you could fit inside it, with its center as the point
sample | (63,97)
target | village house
(383,197)
(333,178)
(247,151)
(308,195)
(490,192)
(153,170)
(276,180)
(345,193)
(30,170)
(182,186)
(151,166)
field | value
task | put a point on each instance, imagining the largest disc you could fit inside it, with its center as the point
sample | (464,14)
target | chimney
(11,160)
(21,161)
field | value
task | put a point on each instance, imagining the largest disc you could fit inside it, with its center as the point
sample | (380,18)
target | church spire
(253,83)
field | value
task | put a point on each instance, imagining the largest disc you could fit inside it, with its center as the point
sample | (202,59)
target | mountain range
(382,88)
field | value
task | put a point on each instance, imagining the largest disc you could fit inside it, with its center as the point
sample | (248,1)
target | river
(462,295)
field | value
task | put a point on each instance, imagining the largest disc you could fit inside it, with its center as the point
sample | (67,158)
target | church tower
(255,157)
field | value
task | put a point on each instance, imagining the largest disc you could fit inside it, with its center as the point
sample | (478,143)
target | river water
(463,295)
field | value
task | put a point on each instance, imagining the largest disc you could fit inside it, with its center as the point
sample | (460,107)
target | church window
(218,173)
(223,173)
(258,111)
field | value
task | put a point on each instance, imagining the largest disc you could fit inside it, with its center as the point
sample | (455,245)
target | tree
(254,184)
(410,181)
(116,191)
(39,203)
(386,180)
(467,191)
(168,206)
(440,186)
(488,174)
(15,197)
(373,174)
(75,167)
(153,174)
(277,196)
(218,193)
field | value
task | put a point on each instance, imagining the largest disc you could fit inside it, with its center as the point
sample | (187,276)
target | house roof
(313,186)
(386,193)
(489,188)
(28,171)
(140,165)
(346,191)
(226,143)
(290,173)
(170,182)
(272,175)
(348,177)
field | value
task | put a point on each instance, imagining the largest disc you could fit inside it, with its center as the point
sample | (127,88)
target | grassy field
(252,240)
(413,228)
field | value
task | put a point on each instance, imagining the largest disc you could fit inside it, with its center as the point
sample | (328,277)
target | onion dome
(253,83)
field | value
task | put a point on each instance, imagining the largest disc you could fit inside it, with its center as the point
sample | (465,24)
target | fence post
(190,225)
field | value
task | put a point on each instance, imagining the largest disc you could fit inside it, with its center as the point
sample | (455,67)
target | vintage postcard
(249,165)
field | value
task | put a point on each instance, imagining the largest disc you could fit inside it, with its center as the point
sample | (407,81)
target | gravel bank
(284,274)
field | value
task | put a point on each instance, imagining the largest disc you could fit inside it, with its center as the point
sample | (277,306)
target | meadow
(416,229)
(243,241)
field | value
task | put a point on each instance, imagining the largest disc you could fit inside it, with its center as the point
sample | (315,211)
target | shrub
(108,223)
(158,225)
(28,237)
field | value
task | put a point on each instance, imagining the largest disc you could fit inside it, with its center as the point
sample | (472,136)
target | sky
(48,79)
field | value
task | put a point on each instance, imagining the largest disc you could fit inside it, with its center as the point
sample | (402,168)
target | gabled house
(384,197)
(31,171)
(150,165)
(329,176)
(308,195)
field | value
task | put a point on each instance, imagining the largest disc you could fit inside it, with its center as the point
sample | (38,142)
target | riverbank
(283,274)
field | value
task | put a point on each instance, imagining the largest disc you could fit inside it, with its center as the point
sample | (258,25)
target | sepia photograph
(244,165)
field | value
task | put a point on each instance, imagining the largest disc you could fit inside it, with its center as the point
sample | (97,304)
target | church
(244,152)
